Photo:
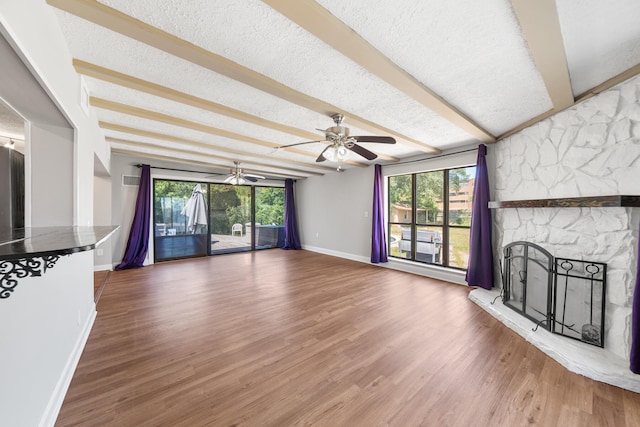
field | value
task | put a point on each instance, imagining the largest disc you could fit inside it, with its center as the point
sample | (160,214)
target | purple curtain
(138,243)
(635,325)
(291,239)
(480,269)
(378,235)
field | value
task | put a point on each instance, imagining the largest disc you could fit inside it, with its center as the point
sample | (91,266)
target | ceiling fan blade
(251,175)
(321,157)
(250,178)
(299,143)
(363,152)
(377,139)
(229,178)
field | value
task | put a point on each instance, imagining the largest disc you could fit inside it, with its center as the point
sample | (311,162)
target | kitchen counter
(43,241)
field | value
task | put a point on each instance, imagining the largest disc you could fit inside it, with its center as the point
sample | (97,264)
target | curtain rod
(139,165)
(432,157)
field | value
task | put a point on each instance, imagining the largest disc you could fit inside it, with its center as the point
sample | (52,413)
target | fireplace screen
(529,281)
(579,300)
(565,296)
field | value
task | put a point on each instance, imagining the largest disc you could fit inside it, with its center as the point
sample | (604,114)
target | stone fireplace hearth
(584,359)
(602,229)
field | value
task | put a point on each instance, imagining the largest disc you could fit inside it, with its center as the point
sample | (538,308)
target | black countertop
(40,241)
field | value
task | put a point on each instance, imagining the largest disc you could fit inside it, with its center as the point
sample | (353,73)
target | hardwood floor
(280,338)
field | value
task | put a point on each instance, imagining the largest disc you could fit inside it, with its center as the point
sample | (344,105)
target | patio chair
(236,227)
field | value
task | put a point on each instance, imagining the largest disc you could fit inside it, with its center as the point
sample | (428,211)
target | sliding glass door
(231,218)
(192,219)
(269,225)
(180,219)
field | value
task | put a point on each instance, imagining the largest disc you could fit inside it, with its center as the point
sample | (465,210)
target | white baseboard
(336,253)
(103,267)
(434,272)
(57,398)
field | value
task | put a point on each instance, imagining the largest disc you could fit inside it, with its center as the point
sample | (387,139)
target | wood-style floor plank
(288,338)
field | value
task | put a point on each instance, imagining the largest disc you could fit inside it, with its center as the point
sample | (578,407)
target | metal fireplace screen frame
(580,288)
(568,297)
(524,261)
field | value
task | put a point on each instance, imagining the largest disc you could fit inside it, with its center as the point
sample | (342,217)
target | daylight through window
(430,216)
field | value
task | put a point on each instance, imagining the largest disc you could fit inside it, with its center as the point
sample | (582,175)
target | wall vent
(130,181)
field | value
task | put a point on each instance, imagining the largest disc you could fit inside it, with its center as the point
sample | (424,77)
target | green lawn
(458,242)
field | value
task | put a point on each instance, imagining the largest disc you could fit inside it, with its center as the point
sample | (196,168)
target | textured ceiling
(217,81)
(11,124)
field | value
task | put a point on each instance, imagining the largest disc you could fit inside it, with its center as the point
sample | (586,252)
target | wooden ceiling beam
(130,82)
(541,29)
(191,142)
(200,127)
(126,25)
(138,144)
(613,81)
(322,24)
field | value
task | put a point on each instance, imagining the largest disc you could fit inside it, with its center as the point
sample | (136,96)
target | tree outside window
(430,216)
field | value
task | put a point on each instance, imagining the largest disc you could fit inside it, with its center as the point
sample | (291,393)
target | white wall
(333,206)
(50,166)
(46,323)
(47,319)
(102,216)
(32,28)
(334,212)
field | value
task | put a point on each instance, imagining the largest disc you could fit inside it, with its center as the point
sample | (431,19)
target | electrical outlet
(317,234)
(366,214)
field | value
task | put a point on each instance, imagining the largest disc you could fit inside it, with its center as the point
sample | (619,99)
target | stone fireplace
(573,165)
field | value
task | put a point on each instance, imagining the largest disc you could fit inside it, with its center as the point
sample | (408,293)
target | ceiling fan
(238,177)
(341,142)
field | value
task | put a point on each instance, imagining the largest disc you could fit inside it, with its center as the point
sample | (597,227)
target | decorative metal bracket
(13,269)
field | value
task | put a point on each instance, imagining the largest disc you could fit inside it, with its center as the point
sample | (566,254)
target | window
(430,216)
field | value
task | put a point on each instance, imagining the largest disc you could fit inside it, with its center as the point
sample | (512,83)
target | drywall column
(102,216)
(50,166)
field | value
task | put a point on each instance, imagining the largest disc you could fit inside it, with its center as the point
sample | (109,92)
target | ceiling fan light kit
(335,153)
(341,142)
(238,177)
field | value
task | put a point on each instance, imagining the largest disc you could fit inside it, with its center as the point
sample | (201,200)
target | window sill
(427,270)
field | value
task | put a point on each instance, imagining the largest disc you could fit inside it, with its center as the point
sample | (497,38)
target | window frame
(208,184)
(414,225)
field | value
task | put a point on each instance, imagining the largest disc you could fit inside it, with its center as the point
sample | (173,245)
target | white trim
(103,267)
(336,253)
(432,271)
(57,397)
(449,159)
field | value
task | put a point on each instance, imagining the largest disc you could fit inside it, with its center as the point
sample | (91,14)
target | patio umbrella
(195,210)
